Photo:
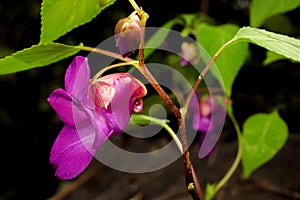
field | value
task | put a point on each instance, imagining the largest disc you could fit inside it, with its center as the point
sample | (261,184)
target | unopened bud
(190,53)
(128,33)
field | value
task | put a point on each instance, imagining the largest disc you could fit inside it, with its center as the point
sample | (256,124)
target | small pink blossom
(128,34)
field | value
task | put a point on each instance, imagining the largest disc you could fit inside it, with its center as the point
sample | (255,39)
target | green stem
(163,124)
(105,52)
(238,157)
(134,5)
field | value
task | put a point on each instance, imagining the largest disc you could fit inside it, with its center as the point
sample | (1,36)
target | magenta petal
(67,110)
(69,154)
(207,142)
(77,78)
(203,125)
(103,130)
(61,102)
(122,103)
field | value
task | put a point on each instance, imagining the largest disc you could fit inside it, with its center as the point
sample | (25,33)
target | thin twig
(72,186)
(270,187)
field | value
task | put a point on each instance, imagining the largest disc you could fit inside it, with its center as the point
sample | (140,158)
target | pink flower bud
(128,34)
(190,53)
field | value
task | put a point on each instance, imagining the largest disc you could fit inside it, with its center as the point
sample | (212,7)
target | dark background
(29,126)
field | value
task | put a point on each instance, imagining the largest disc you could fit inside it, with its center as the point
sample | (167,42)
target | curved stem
(94,79)
(174,136)
(163,124)
(238,157)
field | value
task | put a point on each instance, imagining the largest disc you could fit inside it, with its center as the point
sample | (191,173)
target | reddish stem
(192,183)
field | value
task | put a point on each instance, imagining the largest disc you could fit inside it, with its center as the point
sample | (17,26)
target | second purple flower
(209,121)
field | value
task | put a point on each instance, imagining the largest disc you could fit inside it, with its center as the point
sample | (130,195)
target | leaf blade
(280,44)
(36,56)
(60,17)
(263,137)
(260,10)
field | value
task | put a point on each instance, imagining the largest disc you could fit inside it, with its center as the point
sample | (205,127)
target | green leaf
(60,17)
(274,24)
(36,56)
(230,61)
(189,18)
(263,136)
(280,44)
(260,10)
(272,57)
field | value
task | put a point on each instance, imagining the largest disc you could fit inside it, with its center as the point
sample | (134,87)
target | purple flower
(91,113)
(209,121)
(128,34)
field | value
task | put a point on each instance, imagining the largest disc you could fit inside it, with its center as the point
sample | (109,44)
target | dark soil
(279,179)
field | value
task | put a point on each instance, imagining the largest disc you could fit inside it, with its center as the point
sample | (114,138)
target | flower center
(138,105)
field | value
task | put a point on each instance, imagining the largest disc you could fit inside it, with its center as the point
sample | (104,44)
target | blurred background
(29,126)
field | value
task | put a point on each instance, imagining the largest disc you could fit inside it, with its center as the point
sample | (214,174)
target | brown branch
(191,179)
